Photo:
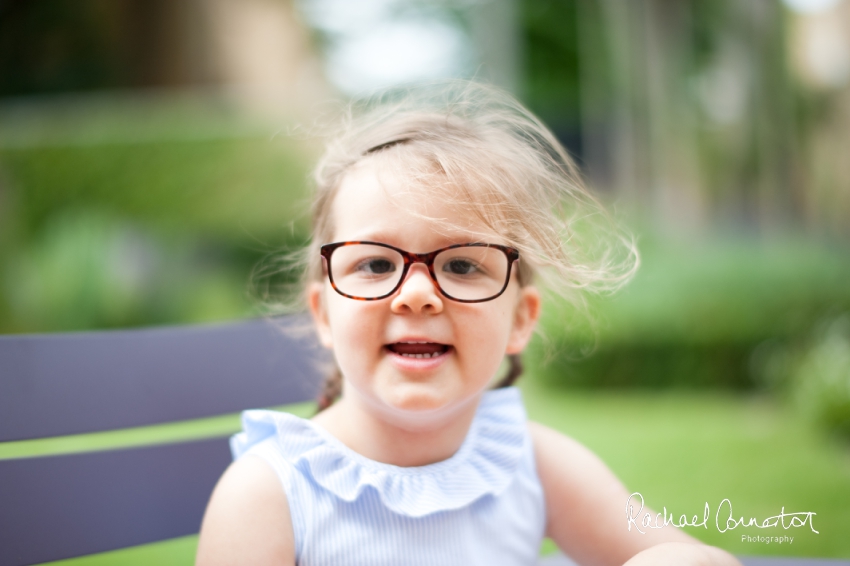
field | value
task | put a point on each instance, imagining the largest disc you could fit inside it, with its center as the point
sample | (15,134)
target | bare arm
(247,520)
(586,512)
(675,554)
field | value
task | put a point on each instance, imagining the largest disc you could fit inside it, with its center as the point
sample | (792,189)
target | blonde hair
(476,148)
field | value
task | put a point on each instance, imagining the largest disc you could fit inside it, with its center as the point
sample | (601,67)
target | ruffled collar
(485,464)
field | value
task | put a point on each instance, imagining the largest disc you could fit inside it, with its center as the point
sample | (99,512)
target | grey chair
(55,507)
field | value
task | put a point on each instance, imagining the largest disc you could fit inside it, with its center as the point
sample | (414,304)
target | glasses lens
(365,270)
(471,273)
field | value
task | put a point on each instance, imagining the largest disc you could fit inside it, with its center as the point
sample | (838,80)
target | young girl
(434,215)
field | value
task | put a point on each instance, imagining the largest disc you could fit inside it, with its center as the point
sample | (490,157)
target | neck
(392,439)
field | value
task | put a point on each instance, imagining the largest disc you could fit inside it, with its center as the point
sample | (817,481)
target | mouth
(418,349)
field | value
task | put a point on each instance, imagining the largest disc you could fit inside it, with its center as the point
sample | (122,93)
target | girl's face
(368,337)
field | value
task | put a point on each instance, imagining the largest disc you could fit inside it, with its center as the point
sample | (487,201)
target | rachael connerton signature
(722,521)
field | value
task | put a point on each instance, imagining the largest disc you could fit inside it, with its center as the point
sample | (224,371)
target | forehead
(374,202)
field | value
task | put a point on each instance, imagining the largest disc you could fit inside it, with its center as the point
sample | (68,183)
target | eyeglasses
(467,273)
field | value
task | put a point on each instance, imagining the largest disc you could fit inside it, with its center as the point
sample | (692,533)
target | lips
(418,349)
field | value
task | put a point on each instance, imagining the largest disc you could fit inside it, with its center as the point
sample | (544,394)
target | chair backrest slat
(60,506)
(57,507)
(63,384)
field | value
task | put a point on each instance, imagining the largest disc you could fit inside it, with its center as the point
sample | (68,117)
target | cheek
(356,328)
(486,333)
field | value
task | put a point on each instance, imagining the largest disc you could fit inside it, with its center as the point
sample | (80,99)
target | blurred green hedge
(133,212)
(694,316)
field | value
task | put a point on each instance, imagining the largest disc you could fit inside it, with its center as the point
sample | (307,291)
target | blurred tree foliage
(49,46)
(52,46)
(551,66)
(692,111)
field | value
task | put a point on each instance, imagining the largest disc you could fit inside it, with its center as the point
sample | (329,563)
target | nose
(418,293)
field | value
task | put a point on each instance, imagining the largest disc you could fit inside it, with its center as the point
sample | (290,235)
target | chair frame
(53,385)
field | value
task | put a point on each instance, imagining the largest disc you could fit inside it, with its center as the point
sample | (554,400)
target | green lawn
(680,450)
(683,449)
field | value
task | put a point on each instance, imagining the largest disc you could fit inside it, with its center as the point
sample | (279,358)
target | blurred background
(153,152)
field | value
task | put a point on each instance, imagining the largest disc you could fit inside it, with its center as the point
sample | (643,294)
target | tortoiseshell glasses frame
(327,250)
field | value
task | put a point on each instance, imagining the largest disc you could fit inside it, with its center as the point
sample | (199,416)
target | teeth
(420,356)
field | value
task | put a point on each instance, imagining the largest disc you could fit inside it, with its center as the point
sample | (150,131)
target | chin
(414,406)
(415,397)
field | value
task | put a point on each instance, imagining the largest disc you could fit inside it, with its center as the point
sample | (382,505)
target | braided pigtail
(514,371)
(331,390)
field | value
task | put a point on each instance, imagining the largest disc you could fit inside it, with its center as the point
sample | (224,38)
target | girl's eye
(460,266)
(376,266)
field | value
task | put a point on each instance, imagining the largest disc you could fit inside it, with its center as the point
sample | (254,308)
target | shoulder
(586,502)
(573,477)
(551,446)
(247,518)
(560,457)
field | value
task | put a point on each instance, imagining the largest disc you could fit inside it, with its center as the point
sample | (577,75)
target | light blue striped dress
(484,505)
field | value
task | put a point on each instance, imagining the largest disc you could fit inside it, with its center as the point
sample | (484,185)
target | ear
(526,313)
(319,311)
